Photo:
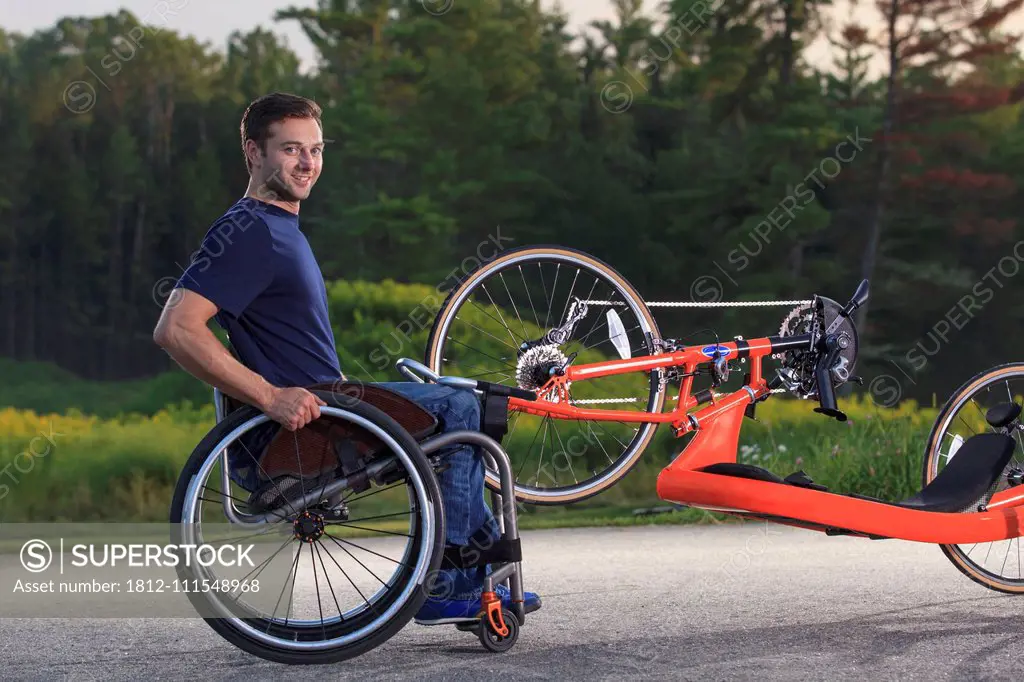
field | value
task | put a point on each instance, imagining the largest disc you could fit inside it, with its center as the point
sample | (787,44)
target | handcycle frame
(717,428)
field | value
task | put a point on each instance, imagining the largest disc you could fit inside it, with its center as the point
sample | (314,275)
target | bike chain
(683,304)
(604,401)
(703,304)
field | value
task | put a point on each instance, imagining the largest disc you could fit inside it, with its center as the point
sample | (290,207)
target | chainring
(815,319)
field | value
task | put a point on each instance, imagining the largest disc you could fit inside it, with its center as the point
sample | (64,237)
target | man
(257,273)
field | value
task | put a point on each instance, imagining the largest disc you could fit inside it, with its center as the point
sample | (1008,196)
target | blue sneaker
(447,606)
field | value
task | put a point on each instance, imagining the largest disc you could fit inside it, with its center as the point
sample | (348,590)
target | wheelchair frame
(503,505)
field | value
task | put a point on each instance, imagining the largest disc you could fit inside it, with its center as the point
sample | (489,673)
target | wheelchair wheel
(517,299)
(344,554)
(996,565)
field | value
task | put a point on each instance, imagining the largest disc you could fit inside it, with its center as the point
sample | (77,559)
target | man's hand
(293,408)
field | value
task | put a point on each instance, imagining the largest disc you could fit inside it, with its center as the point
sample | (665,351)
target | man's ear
(253,153)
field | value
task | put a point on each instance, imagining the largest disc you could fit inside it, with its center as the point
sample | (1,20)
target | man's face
(293,159)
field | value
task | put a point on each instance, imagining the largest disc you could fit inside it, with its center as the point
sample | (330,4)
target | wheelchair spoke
(298,460)
(343,548)
(291,575)
(330,586)
(349,578)
(263,564)
(316,584)
(349,542)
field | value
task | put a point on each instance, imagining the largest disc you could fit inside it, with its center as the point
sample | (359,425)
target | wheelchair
(350,509)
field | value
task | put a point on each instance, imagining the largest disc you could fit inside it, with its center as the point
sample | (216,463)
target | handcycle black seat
(963,481)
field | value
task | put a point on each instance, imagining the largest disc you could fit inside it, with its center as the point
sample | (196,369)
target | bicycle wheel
(493,325)
(996,565)
(350,559)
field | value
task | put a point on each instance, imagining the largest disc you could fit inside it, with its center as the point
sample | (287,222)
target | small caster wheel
(494,642)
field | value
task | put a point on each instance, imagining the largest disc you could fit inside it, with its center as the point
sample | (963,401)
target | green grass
(45,388)
(125,468)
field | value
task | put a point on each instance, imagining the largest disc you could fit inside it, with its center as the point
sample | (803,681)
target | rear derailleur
(559,335)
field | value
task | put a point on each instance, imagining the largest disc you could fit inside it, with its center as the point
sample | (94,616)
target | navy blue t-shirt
(257,267)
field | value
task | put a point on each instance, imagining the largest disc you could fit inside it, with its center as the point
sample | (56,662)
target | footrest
(799,478)
(741,471)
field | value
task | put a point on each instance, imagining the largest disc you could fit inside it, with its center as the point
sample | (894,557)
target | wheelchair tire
(292,643)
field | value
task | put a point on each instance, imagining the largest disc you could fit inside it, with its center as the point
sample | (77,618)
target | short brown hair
(264,111)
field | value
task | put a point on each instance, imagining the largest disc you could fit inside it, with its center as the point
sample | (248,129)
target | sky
(212,20)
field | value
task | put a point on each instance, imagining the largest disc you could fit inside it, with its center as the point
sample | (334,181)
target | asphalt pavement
(736,602)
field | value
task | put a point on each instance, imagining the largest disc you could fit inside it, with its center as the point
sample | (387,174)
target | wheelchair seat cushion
(329,444)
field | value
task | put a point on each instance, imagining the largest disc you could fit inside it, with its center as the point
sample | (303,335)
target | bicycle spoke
(534,442)
(568,299)
(515,343)
(513,302)
(553,288)
(528,295)
(562,445)
(484,331)
(454,340)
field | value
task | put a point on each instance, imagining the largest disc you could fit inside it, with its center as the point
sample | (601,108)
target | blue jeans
(462,483)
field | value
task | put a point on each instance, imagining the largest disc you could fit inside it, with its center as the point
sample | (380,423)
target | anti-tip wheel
(494,642)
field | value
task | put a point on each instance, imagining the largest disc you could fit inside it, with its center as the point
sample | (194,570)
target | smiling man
(257,273)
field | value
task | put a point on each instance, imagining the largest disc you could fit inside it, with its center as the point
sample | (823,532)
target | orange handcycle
(566,325)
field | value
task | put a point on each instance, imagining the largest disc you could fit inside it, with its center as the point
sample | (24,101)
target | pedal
(802,480)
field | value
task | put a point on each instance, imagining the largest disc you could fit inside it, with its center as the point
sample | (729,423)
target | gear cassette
(534,367)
